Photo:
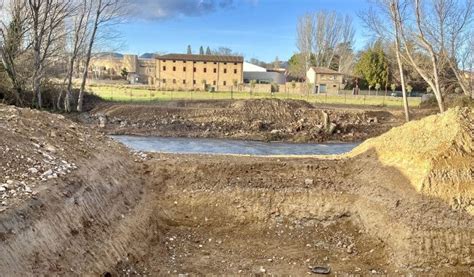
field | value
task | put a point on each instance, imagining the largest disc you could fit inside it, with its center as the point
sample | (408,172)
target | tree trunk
(80,99)
(402,80)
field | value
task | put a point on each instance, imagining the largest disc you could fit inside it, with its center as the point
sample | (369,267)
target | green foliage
(124,73)
(293,84)
(377,86)
(409,89)
(428,89)
(393,87)
(296,65)
(373,66)
(253,83)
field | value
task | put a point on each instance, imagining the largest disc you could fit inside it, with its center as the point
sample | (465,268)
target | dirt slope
(65,190)
(435,154)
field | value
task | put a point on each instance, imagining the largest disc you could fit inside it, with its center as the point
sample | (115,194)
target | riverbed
(229,146)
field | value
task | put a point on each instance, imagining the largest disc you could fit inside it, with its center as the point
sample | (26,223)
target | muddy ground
(78,203)
(267,120)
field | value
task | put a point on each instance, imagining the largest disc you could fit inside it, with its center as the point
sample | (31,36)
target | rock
(262,270)
(308,182)
(2,188)
(102,121)
(350,249)
(332,128)
(50,148)
(373,120)
(274,132)
(33,170)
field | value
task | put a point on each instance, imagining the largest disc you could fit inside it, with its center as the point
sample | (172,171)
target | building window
(174,68)
(205,70)
(215,70)
(164,81)
(215,62)
(225,83)
(235,63)
(174,81)
(184,82)
(194,82)
(214,83)
(205,62)
(164,68)
(235,71)
(225,70)
(184,69)
(194,69)
(225,63)
(174,61)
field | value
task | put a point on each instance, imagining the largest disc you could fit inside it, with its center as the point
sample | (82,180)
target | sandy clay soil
(75,203)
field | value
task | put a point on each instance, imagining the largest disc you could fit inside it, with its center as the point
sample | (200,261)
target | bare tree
(395,11)
(47,19)
(455,18)
(390,31)
(417,38)
(304,42)
(105,12)
(13,28)
(344,50)
(79,29)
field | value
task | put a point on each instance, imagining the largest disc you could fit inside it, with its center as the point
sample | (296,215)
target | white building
(261,75)
(248,67)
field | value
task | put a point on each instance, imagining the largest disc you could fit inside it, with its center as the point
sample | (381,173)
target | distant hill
(148,55)
(110,54)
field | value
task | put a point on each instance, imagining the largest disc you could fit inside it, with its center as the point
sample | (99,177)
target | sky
(262,29)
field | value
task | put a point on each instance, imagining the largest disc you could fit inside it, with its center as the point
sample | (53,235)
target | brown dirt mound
(435,154)
(264,119)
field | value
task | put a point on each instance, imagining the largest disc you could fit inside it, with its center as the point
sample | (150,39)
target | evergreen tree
(201,51)
(373,66)
(190,52)
(208,51)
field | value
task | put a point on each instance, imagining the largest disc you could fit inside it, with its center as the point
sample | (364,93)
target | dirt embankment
(65,191)
(126,214)
(275,120)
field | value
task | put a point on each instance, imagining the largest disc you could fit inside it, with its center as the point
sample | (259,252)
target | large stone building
(173,71)
(325,80)
(138,70)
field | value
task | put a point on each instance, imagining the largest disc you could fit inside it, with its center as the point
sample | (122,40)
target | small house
(325,80)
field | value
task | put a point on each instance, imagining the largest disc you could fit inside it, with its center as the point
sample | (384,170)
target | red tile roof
(202,58)
(325,70)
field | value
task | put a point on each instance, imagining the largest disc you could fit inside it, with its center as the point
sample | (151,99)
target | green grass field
(127,94)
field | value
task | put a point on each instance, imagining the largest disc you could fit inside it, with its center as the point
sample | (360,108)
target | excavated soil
(264,119)
(399,204)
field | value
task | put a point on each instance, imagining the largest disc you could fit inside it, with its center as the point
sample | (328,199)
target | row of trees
(221,51)
(324,39)
(424,43)
(433,38)
(42,39)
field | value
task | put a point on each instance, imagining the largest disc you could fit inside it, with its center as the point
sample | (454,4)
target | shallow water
(228,146)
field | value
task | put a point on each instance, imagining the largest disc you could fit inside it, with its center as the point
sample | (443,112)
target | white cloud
(161,9)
